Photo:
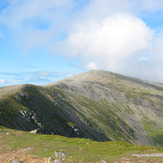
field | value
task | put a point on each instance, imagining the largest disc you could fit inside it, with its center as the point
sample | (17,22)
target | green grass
(157,136)
(107,116)
(154,130)
(83,150)
(70,124)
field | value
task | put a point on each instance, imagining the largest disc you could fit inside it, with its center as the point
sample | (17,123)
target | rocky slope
(98,105)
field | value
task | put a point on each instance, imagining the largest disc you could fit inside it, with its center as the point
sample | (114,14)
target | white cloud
(20,11)
(91,66)
(110,40)
(2,81)
(36,23)
(120,43)
(101,8)
(143,58)
(150,5)
(60,15)
(102,38)
(69,75)
(44,73)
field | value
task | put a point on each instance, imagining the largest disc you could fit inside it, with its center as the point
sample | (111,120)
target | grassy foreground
(14,142)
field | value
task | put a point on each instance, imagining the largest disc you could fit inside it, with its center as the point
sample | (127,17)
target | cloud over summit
(110,40)
(123,36)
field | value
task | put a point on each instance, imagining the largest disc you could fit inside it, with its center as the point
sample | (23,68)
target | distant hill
(99,105)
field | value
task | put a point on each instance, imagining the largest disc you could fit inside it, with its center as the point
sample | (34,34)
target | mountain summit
(99,105)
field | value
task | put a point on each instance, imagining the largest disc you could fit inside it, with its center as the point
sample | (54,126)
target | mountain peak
(98,104)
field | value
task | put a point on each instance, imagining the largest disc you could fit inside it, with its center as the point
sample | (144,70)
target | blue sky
(42,41)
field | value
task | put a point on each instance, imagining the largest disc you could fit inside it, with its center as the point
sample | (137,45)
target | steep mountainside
(98,105)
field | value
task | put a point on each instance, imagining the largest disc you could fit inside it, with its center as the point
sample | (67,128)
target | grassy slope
(47,110)
(121,106)
(78,150)
(103,106)
(112,124)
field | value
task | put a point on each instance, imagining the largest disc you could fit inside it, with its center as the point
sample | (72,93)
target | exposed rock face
(98,105)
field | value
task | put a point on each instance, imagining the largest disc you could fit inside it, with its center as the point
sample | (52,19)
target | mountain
(98,105)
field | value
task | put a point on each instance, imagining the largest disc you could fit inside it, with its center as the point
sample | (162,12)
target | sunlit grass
(77,149)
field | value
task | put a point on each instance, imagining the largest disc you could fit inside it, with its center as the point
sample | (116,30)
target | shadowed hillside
(98,105)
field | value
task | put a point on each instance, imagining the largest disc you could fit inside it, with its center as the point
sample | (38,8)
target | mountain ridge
(99,105)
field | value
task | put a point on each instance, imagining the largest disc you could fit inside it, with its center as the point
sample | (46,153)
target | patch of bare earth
(141,160)
(21,156)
